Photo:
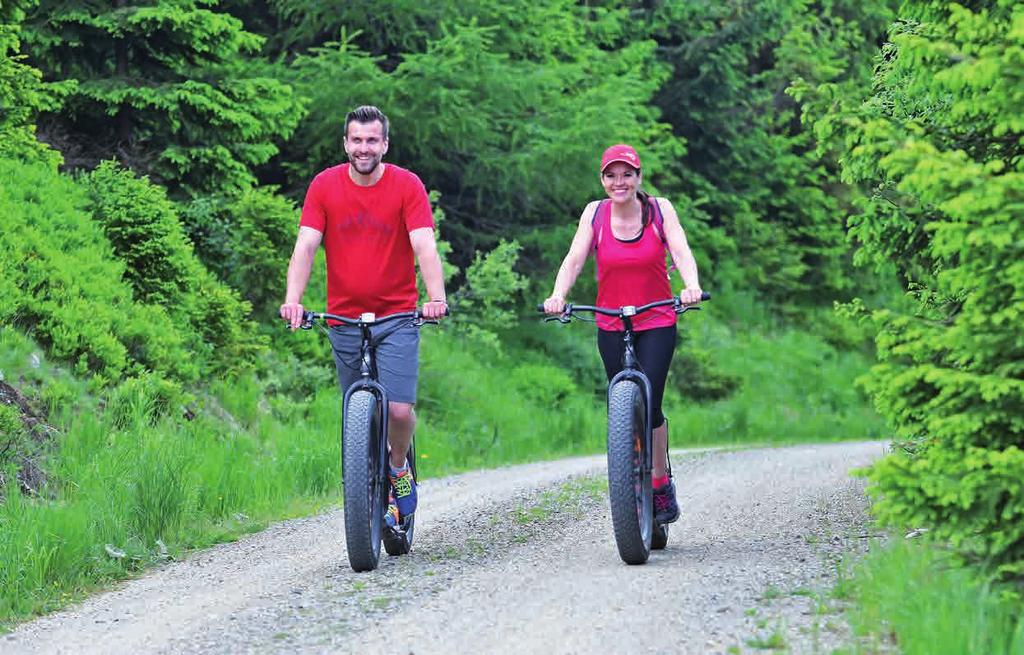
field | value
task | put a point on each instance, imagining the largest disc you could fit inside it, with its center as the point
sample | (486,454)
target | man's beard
(359,166)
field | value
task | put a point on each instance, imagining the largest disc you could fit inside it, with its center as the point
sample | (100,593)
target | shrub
(696,377)
(143,400)
(62,284)
(542,384)
(939,142)
(143,227)
(246,240)
(491,290)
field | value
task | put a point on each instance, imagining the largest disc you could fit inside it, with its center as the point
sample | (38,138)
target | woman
(629,233)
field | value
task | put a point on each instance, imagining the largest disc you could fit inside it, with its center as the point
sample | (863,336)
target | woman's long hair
(645,208)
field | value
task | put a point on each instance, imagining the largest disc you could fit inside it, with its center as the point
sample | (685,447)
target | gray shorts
(398,357)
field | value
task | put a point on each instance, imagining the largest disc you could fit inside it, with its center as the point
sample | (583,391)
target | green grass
(773,641)
(795,387)
(916,597)
(183,484)
(569,499)
(478,408)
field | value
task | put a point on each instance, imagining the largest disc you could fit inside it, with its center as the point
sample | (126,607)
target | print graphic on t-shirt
(363,223)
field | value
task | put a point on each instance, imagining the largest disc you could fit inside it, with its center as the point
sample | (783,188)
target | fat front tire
(629,490)
(363,480)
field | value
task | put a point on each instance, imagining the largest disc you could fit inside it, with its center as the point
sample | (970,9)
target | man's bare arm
(299,268)
(425,247)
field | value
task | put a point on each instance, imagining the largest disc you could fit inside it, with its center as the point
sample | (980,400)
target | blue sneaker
(404,489)
(666,510)
(391,514)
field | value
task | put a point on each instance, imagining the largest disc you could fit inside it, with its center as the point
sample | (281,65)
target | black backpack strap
(659,221)
(593,223)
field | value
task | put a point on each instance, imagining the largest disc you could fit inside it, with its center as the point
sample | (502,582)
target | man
(372,218)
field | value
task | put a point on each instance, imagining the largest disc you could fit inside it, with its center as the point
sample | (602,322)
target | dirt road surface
(516,560)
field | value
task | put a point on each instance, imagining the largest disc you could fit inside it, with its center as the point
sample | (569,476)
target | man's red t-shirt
(370,262)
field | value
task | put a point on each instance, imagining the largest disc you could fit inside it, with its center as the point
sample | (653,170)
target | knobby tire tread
(633,547)
(358,444)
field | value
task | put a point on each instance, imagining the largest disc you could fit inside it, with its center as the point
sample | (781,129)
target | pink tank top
(631,272)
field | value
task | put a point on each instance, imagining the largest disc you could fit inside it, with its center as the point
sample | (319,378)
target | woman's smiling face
(620,181)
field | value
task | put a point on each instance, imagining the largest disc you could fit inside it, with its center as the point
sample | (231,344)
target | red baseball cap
(620,152)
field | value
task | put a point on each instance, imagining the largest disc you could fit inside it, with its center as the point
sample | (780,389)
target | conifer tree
(164,87)
(772,211)
(938,139)
(22,93)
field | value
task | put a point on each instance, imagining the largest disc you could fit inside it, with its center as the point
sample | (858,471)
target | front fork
(377,390)
(639,378)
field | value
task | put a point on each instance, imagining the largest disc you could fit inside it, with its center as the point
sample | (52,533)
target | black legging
(654,350)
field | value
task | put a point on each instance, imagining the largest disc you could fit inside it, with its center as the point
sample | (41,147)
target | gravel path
(519,559)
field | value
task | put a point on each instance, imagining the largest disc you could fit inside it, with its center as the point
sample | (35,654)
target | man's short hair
(367,114)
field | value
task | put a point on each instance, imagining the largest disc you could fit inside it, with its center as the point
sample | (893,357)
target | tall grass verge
(795,387)
(481,408)
(127,492)
(915,598)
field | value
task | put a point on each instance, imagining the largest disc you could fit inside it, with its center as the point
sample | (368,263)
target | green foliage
(492,290)
(62,284)
(524,115)
(917,596)
(163,86)
(502,107)
(763,212)
(22,93)
(940,141)
(783,386)
(127,478)
(542,384)
(133,494)
(143,227)
(143,400)
(10,423)
(12,432)
(52,389)
(480,407)
(159,494)
(696,376)
(444,249)
(533,91)
(144,231)
(246,239)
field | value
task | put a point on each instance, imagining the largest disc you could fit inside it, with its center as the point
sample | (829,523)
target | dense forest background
(864,156)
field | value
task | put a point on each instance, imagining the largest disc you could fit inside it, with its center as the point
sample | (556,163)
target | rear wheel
(363,479)
(629,486)
(659,538)
(399,542)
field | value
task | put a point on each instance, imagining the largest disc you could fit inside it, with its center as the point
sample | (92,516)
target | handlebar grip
(705,295)
(540,307)
(307,320)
